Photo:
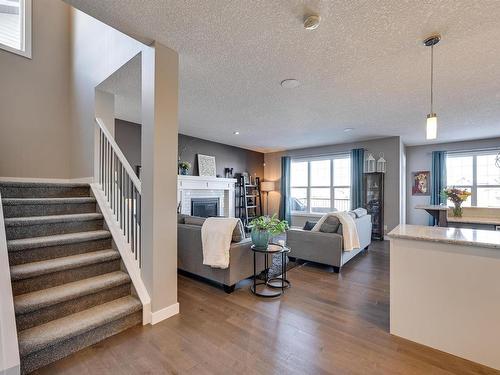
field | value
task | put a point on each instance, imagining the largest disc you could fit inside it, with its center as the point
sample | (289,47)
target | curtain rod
(497,149)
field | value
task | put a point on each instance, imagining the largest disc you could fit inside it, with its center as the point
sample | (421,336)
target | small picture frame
(206,166)
(421,183)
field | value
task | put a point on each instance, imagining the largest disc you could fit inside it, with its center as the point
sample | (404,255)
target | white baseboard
(86,180)
(165,313)
(16,370)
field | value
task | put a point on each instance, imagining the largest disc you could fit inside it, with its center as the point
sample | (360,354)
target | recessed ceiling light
(347,130)
(236,133)
(312,22)
(290,83)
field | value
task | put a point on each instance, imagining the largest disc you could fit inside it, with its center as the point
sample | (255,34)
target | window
(320,184)
(476,172)
(15,26)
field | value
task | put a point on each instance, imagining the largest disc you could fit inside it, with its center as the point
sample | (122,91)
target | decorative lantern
(370,164)
(381,163)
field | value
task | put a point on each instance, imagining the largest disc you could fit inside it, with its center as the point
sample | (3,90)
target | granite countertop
(434,207)
(454,236)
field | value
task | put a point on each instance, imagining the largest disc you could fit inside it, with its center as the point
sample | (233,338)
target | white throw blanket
(216,236)
(349,230)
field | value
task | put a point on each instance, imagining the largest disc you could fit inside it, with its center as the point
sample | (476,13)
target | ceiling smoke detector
(312,22)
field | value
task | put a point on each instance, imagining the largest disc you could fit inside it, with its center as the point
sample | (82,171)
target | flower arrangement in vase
(184,167)
(264,228)
(457,196)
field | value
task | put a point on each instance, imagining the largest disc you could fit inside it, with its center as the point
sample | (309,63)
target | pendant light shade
(431,128)
(431,132)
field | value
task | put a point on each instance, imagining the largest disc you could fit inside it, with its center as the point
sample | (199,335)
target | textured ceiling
(363,68)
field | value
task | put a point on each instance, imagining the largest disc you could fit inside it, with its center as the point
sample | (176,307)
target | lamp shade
(431,126)
(267,186)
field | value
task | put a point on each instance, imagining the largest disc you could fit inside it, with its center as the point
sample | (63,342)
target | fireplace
(205,207)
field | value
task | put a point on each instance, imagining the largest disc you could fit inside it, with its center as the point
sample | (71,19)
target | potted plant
(457,196)
(263,228)
(184,167)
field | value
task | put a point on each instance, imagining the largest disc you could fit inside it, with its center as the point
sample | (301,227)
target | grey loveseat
(327,248)
(190,256)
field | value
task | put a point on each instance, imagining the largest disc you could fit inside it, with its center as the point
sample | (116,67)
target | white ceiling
(363,68)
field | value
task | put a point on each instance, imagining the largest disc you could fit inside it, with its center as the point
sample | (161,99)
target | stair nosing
(47,201)
(33,301)
(51,219)
(56,240)
(70,326)
(46,267)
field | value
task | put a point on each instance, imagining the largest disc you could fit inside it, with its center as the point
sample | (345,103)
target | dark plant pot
(260,238)
(184,172)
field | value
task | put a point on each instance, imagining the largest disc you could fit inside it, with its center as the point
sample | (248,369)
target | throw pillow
(194,220)
(360,212)
(309,225)
(239,232)
(330,225)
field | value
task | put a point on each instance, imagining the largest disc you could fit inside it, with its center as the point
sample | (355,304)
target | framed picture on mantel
(206,166)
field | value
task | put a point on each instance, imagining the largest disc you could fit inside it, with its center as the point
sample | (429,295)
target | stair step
(46,335)
(34,226)
(10,189)
(30,302)
(36,249)
(30,270)
(56,240)
(22,207)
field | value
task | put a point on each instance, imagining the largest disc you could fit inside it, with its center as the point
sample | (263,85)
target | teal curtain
(438,180)
(285,214)
(357,166)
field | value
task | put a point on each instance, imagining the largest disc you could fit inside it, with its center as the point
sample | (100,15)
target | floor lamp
(266,187)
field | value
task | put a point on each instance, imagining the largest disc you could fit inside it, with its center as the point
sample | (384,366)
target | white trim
(9,349)
(25,11)
(165,313)
(131,265)
(83,180)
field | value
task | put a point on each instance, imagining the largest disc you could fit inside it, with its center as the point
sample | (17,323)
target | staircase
(69,284)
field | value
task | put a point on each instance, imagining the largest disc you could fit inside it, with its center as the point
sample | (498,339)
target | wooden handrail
(126,165)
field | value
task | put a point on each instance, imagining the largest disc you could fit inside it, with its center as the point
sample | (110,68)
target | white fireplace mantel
(206,187)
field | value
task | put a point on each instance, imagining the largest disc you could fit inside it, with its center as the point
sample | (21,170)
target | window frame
(25,12)
(474,187)
(332,186)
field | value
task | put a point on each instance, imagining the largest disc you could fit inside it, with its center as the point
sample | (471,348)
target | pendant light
(431,131)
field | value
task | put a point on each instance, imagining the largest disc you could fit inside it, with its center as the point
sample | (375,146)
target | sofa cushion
(194,220)
(330,225)
(239,232)
(181,218)
(360,212)
(309,225)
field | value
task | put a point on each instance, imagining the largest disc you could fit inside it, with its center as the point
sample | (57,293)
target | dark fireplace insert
(205,207)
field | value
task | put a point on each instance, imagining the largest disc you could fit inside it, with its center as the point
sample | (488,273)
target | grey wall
(240,159)
(392,149)
(128,138)
(419,158)
(35,99)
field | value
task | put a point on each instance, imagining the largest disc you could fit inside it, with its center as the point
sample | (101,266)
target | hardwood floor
(325,324)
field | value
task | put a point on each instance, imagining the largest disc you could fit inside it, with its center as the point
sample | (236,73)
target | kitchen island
(445,290)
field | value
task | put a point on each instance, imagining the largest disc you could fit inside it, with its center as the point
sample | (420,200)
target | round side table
(280,283)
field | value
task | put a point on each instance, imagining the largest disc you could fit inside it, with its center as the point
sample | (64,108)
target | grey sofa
(190,258)
(327,248)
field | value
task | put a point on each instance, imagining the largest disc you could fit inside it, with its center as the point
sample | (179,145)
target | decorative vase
(260,238)
(184,171)
(457,210)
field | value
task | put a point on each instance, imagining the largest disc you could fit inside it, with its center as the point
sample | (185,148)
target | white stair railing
(120,186)
(9,349)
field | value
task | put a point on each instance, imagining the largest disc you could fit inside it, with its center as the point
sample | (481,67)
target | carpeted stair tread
(29,270)
(46,201)
(56,240)
(59,330)
(29,302)
(38,220)
(18,184)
